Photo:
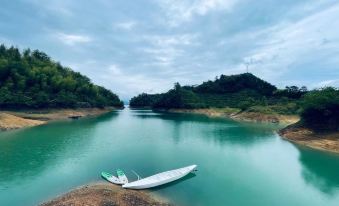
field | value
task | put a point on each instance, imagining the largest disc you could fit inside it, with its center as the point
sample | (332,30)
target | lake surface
(238,163)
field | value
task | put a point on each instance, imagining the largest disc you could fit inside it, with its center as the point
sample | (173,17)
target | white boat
(121,176)
(160,179)
(110,178)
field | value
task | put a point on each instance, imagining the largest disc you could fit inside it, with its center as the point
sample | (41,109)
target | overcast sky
(134,46)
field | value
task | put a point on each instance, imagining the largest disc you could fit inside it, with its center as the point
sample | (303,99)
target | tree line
(30,79)
(240,91)
(317,108)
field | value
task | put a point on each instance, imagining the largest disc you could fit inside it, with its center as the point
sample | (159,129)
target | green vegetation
(243,91)
(32,80)
(144,100)
(179,98)
(235,83)
(321,109)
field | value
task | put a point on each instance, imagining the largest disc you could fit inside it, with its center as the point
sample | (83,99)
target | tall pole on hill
(247,67)
(248,63)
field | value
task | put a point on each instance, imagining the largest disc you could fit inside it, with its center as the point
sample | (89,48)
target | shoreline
(104,194)
(293,132)
(17,119)
(238,115)
(298,134)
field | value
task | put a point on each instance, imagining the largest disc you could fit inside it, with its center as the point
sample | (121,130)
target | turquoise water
(238,163)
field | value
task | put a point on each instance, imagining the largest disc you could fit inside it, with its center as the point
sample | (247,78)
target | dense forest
(32,80)
(144,100)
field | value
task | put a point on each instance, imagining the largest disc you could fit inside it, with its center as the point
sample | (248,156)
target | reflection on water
(220,130)
(26,152)
(238,134)
(320,169)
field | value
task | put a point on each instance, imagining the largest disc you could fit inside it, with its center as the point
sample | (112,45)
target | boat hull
(160,179)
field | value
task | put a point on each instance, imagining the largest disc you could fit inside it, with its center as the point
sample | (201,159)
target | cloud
(288,46)
(114,70)
(57,7)
(73,39)
(127,25)
(328,83)
(166,49)
(179,11)
(127,83)
(6,41)
(148,45)
(168,40)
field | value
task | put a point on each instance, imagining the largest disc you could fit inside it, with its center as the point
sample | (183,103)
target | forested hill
(238,91)
(32,80)
(236,83)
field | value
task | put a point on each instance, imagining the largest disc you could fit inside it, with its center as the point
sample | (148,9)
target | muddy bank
(105,194)
(236,114)
(27,118)
(297,133)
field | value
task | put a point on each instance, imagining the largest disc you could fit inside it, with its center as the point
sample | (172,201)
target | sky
(135,46)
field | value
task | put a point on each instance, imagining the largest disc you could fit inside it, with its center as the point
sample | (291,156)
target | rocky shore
(105,194)
(297,133)
(19,119)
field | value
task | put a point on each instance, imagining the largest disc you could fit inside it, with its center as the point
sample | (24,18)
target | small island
(35,89)
(312,116)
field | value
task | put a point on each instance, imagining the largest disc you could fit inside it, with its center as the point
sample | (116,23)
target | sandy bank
(8,122)
(105,194)
(19,119)
(271,118)
(236,114)
(299,134)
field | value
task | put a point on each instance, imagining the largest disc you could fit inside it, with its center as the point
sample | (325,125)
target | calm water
(239,164)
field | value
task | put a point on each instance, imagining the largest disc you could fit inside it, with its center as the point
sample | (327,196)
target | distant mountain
(32,80)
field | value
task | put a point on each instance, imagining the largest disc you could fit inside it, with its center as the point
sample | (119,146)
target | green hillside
(32,80)
(242,91)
